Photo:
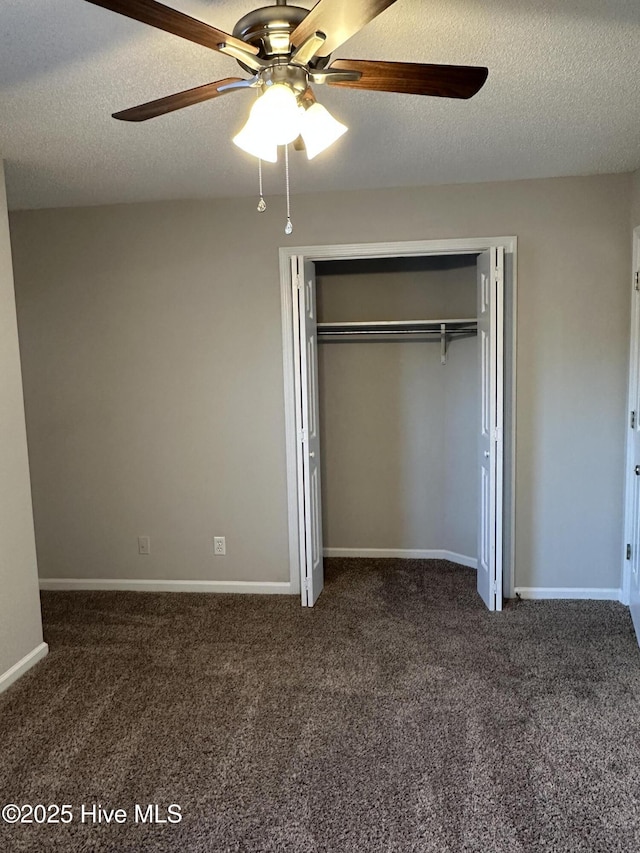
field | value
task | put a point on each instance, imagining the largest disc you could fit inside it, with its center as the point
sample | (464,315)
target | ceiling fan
(285,49)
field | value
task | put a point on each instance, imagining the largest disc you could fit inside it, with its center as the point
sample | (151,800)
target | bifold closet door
(632,522)
(491,344)
(303,279)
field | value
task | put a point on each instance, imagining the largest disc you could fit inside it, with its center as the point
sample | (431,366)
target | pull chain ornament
(262,204)
(288,228)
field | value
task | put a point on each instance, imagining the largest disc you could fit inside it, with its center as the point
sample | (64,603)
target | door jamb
(632,397)
(360,251)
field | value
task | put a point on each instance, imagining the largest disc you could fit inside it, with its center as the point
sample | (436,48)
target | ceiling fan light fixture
(319,129)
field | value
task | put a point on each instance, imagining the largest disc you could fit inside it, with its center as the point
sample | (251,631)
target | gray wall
(20,623)
(397,288)
(151,342)
(635,200)
(398,428)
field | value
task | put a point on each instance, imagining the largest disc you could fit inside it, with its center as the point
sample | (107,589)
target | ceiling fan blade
(172,21)
(177,101)
(412,78)
(338,21)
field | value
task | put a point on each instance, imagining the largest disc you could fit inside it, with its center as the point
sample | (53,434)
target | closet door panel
(490,336)
(313,569)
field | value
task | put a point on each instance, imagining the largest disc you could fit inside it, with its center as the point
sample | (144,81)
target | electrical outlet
(144,545)
(219,546)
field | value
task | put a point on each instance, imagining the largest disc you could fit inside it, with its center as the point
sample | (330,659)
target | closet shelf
(390,329)
(407,327)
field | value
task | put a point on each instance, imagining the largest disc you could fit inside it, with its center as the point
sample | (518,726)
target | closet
(399,406)
(399,381)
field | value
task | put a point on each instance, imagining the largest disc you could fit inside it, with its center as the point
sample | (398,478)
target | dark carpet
(397,715)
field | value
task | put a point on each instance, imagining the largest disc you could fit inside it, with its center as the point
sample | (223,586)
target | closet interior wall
(398,428)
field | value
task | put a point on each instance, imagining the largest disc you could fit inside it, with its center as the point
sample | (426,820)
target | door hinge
(494,588)
(628,552)
(637,281)
(496,434)
(302,436)
(633,420)
(306,584)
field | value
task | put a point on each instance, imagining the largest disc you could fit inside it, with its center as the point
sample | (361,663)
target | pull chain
(289,226)
(262,204)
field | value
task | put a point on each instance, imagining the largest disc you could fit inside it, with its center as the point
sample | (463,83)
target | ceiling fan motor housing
(269,29)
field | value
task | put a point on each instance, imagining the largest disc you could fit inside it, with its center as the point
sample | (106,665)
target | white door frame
(360,251)
(633,396)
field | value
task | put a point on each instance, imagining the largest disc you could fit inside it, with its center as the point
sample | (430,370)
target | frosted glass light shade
(319,129)
(252,140)
(274,120)
(277,111)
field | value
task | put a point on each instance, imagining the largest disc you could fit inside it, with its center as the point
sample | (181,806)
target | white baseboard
(18,669)
(403,554)
(251,587)
(539,592)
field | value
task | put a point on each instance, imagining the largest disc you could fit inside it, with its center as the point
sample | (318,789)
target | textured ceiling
(563,98)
